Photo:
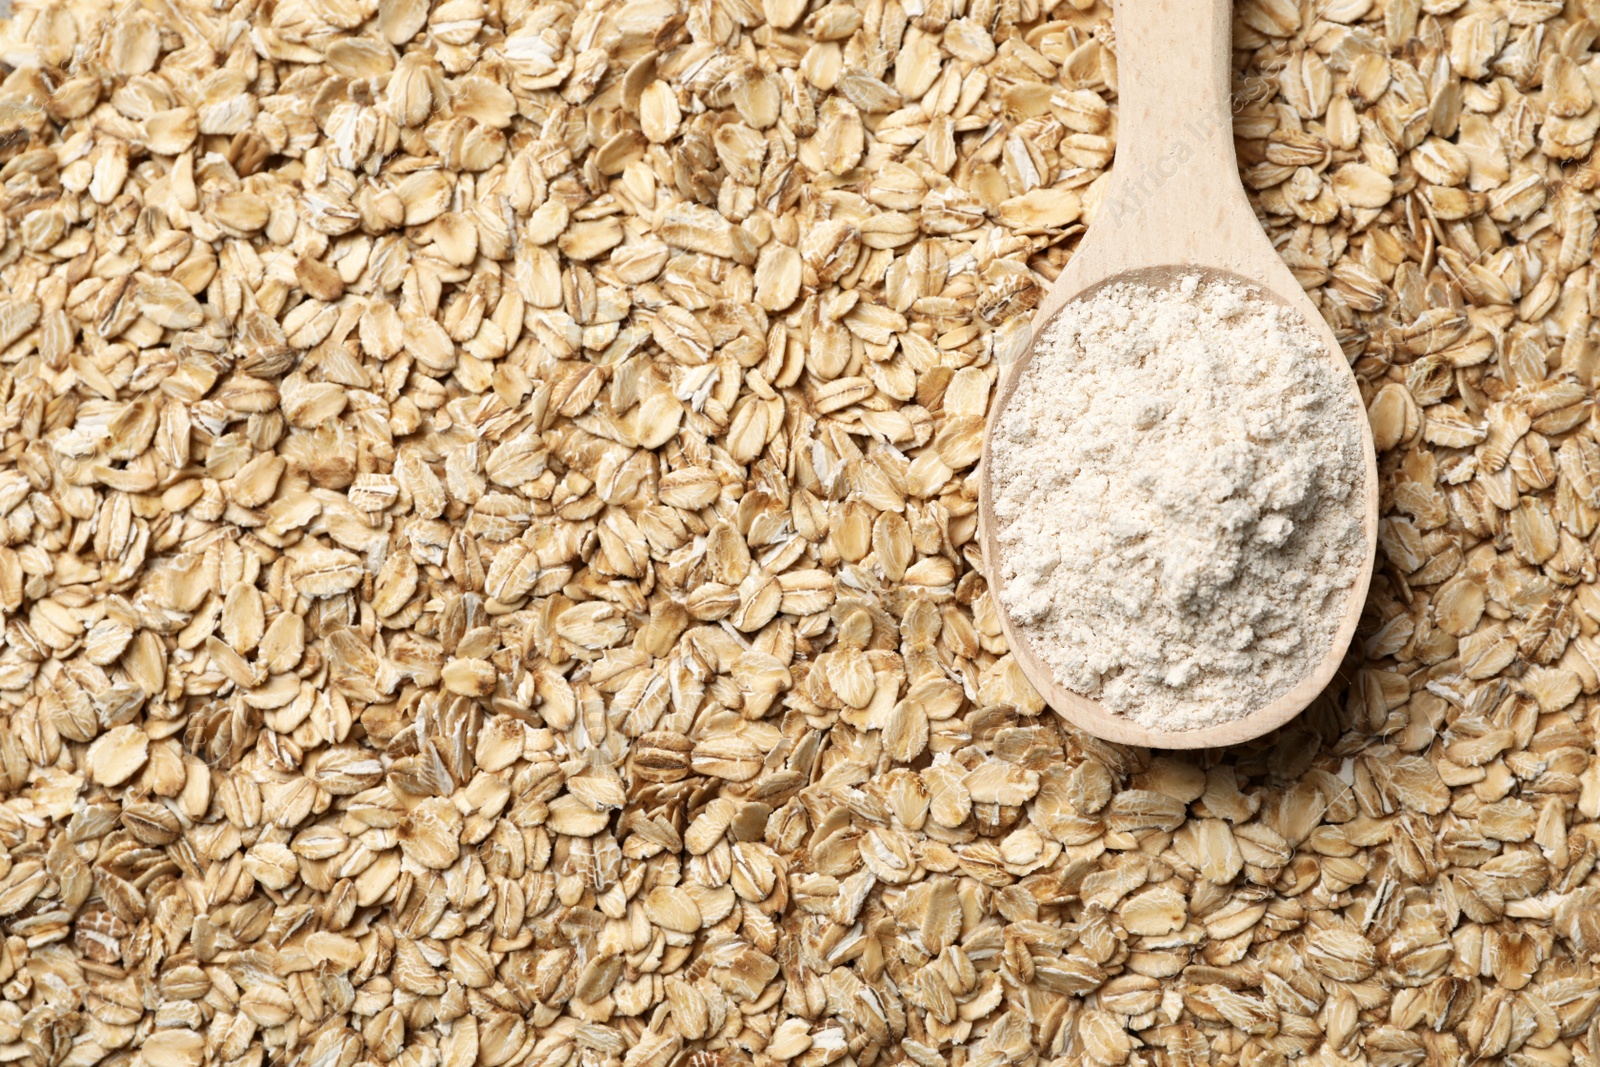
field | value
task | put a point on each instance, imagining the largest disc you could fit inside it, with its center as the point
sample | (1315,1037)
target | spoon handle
(1174,195)
(1175,117)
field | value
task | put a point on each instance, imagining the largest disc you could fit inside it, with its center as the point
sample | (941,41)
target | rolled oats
(487,530)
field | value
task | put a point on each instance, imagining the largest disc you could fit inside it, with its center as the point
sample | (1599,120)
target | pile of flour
(1176,487)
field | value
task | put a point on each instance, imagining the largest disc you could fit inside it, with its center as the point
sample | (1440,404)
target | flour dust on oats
(1177,493)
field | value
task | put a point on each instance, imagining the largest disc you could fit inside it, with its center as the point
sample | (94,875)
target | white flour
(1175,489)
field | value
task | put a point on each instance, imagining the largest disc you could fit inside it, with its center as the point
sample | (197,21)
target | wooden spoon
(1174,206)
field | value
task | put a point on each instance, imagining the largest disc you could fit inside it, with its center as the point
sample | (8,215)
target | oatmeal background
(488,513)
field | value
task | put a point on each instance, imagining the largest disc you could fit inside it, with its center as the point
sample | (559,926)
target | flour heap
(1177,489)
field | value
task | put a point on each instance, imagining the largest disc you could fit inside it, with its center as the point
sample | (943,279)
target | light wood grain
(1174,205)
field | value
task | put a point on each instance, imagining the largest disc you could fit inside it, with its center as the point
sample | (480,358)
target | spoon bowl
(1174,206)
